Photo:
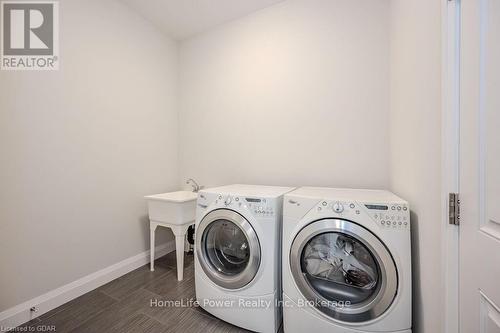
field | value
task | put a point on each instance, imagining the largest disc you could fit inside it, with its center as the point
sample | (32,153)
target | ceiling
(181,19)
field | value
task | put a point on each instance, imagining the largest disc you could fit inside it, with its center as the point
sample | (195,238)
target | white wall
(415,145)
(295,94)
(81,146)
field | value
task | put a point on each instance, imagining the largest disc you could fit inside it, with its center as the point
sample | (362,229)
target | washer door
(228,249)
(343,270)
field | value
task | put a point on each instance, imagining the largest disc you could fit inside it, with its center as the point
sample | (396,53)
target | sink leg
(152,229)
(179,252)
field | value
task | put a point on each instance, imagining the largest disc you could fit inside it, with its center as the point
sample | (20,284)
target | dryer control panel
(395,216)
(391,216)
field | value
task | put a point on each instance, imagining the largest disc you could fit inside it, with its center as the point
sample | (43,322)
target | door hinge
(454,209)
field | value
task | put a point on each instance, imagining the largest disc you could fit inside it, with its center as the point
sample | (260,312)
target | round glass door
(343,270)
(228,249)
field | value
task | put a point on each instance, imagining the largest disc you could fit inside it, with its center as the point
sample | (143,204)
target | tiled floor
(124,305)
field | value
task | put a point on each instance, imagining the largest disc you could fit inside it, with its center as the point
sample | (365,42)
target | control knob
(338,208)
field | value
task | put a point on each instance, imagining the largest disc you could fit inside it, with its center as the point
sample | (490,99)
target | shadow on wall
(416,294)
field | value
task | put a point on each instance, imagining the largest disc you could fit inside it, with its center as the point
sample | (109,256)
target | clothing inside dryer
(340,268)
(227,247)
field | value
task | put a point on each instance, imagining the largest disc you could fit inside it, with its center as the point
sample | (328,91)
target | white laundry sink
(175,208)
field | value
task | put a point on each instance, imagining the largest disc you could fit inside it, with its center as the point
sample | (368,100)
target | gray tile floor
(124,305)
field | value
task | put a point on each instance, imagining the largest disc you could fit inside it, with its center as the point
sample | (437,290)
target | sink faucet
(194,185)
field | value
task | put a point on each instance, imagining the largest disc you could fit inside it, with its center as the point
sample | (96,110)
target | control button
(399,207)
(394,223)
(405,209)
(220,196)
(383,222)
(228,201)
(358,212)
(319,208)
(338,208)
(324,203)
(237,199)
(399,223)
(406,223)
(351,205)
(393,208)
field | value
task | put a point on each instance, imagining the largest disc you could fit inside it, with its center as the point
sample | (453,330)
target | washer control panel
(258,206)
(395,216)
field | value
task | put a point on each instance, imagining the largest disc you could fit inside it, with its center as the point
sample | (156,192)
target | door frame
(450,158)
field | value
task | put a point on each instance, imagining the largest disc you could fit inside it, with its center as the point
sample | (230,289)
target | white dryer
(238,252)
(346,261)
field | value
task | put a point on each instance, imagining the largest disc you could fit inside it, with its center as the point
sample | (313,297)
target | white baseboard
(21,313)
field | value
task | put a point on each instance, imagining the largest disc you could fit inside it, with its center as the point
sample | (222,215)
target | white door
(480,167)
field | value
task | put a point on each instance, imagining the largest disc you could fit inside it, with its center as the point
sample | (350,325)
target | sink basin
(173,207)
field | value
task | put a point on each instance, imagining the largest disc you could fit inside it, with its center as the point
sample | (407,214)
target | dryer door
(228,248)
(343,270)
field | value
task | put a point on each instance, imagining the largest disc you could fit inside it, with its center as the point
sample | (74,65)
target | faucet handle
(194,185)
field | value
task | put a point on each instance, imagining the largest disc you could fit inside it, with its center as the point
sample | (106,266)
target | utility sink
(175,208)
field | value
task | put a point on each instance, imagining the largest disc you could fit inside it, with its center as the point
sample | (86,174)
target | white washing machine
(346,261)
(238,252)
